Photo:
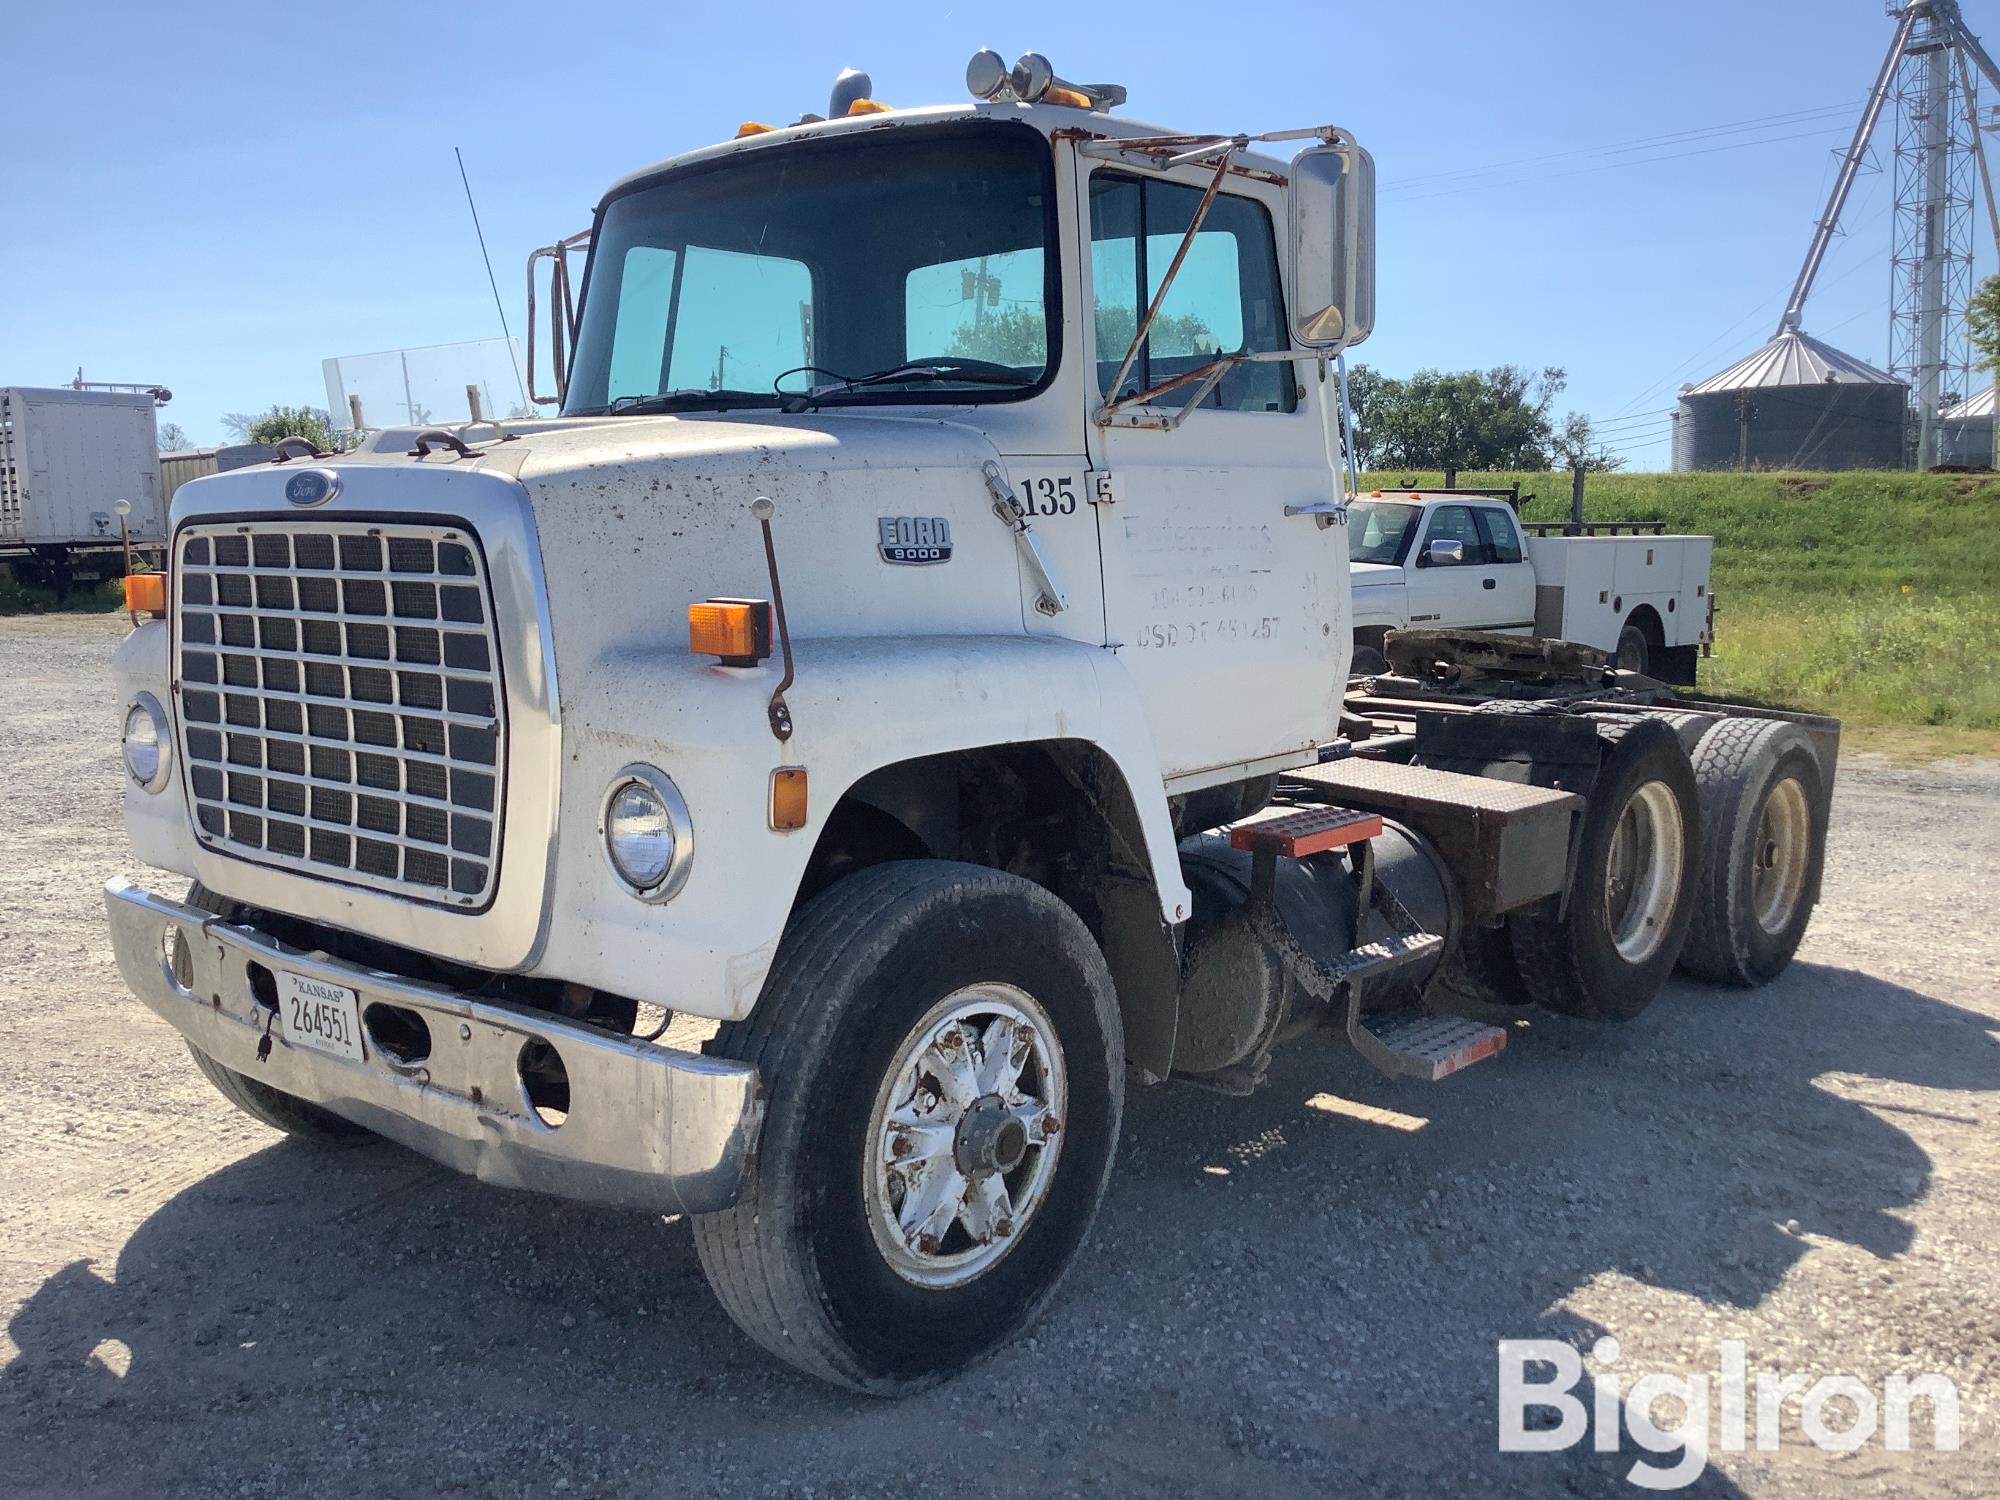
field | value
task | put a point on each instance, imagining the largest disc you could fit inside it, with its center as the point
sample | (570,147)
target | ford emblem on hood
(311,487)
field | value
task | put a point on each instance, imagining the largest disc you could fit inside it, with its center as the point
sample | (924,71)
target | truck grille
(340,703)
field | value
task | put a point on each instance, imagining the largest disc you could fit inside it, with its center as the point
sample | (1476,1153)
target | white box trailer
(66,459)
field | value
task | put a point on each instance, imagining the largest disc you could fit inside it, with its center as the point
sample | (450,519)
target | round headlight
(146,742)
(647,834)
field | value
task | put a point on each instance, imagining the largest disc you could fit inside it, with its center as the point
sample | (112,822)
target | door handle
(1325,513)
(1488,583)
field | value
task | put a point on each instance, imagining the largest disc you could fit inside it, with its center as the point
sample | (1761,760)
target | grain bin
(1794,404)
(1966,432)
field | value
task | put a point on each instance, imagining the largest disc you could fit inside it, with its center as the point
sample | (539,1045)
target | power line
(1670,138)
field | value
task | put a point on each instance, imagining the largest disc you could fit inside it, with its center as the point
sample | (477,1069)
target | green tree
(1469,419)
(308,422)
(1982,322)
(1575,446)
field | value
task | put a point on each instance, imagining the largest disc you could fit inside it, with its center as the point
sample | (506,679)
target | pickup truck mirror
(1333,248)
(1442,551)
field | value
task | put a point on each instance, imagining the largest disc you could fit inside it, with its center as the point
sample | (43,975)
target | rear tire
(1632,901)
(1763,845)
(1634,652)
(260,1101)
(851,1039)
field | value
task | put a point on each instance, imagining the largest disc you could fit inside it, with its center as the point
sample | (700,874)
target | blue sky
(217,195)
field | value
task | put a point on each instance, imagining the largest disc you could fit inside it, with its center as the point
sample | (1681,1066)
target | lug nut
(901,1146)
(1004,1228)
(929,1244)
(1050,1125)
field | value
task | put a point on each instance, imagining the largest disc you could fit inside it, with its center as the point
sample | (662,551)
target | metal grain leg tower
(1929,74)
(1931,244)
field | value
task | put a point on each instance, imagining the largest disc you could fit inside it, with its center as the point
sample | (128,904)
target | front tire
(945,1065)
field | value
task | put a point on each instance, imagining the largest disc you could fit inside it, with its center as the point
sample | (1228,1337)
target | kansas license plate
(325,1017)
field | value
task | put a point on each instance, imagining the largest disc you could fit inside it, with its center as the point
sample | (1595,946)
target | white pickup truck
(1459,560)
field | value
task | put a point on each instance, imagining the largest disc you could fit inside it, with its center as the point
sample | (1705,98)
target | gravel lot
(1280,1297)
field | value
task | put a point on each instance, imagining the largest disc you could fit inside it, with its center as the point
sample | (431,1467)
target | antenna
(498,306)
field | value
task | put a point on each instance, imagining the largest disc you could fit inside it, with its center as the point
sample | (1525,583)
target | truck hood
(1372,575)
(638,517)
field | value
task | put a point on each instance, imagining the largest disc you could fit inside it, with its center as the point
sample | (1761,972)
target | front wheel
(945,1067)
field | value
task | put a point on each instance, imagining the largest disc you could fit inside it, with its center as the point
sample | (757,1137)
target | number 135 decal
(1049,495)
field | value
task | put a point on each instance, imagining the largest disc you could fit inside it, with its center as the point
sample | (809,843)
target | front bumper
(648,1126)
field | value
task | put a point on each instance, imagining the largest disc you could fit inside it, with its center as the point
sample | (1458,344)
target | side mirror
(1441,552)
(1333,248)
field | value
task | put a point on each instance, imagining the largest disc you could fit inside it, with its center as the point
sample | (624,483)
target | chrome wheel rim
(964,1134)
(1778,862)
(1642,878)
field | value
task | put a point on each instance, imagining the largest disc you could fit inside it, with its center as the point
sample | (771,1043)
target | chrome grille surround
(340,707)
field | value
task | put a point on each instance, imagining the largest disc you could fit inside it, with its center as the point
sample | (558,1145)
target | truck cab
(896,698)
(1428,561)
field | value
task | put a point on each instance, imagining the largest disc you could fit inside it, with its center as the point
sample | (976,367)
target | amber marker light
(146,593)
(788,798)
(736,630)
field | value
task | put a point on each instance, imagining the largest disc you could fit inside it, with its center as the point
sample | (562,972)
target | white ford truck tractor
(900,698)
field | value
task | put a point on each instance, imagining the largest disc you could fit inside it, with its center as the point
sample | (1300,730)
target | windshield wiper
(917,371)
(664,401)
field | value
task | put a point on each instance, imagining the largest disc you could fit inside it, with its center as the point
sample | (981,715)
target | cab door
(1227,612)
(1511,595)
(1473,589)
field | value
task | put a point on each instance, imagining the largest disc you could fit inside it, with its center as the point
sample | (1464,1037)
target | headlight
(146,743)
(648,836)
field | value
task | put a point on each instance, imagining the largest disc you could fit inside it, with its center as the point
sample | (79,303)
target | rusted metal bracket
(1014,516)
(779,713)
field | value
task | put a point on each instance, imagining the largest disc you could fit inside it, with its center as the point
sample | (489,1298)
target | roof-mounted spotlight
(1033,81)
(986,76)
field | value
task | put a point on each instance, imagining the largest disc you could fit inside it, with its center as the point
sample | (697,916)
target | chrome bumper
(648,1127)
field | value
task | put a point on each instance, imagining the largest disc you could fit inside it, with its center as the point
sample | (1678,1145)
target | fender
(859,704)
(156,822)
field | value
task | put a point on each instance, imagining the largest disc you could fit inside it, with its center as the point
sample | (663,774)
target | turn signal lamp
(736,630)
(146,593)
(788,798)
(868,107)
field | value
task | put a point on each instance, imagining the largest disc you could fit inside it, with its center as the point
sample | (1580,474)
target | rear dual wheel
(1607,956)
(1763,800)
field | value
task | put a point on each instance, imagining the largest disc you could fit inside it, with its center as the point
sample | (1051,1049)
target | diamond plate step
(1414,1044)
(1372,960)
(1305,831)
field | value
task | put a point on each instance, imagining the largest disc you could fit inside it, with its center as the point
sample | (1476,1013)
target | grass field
(1872,596)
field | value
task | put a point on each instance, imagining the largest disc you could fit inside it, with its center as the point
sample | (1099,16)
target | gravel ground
(1280,1297)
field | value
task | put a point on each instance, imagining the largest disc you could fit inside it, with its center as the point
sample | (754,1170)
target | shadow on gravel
(1279,1297)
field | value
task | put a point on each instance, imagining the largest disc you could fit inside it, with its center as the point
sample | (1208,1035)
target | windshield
(1379,533)
(805,266)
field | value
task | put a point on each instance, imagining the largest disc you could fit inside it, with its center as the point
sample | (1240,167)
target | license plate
(325,1017)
